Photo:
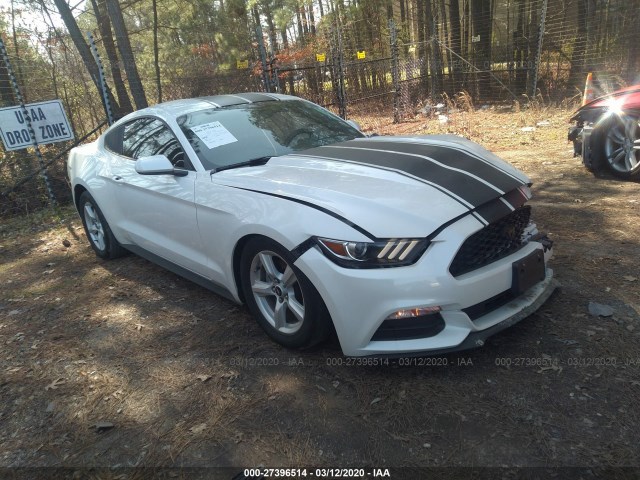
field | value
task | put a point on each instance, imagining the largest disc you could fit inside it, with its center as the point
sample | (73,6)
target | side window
(149,136)
(113,140)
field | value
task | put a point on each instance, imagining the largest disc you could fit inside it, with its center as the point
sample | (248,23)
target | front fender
(226,215)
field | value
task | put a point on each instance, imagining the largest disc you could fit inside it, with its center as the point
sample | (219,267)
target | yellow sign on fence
(321,57)
(362,55)
(242,64)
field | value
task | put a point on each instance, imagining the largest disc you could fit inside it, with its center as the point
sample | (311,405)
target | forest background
(371,60)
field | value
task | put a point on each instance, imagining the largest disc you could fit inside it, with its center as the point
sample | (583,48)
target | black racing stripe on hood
(317,207)
(471,190)
(516,198)
(494,210)
(451,157)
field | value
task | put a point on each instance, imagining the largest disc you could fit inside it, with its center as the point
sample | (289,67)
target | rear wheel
(620,145)
(98,232)
(281,298)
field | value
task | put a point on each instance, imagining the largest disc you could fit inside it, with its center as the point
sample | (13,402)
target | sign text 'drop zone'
(48,119)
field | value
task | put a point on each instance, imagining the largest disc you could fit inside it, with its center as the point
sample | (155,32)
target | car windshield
(231,135)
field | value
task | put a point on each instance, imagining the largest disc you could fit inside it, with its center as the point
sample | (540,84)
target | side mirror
(355,125)
(158,165)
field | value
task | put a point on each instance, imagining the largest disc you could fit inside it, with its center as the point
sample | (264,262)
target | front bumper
(581,138)
(359,301)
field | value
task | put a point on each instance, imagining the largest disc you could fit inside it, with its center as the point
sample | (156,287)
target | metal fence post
(338,63)
(263,58)
(27,119)
(433,64)
(536,66)
(395,74)
(103,82)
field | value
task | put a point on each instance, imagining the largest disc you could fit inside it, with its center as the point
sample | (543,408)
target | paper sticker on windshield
(214,134)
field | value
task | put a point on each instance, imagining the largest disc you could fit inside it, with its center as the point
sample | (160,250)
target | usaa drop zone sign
(48,119)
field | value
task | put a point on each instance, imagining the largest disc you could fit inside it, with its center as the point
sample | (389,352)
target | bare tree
(482,22)
(126,53)
(82,47)
(110,48)
(156,50)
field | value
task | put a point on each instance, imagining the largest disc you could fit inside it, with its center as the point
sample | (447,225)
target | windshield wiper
(254,162)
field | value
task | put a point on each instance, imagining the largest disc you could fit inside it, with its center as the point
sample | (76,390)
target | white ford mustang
(403,245)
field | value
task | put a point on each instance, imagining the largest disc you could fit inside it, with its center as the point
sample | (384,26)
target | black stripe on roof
(226,100)
(256,97)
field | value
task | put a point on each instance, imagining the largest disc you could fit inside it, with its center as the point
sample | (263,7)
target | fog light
(413,312)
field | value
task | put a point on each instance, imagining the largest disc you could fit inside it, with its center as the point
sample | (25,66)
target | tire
(98,232)
(280,297)
(618,144)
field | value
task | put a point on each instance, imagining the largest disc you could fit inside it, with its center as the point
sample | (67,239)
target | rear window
(113,139)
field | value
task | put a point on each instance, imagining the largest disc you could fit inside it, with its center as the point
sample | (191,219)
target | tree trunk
(110,48)
(431,20)
(422,50)
(482,22)
(300,29)
(579,47)
(456,42)
(534,35)
(126,53)
(18,62)
(464,39)
(273,36)
(519,46)
(156,53)
(83,48)
(312,20)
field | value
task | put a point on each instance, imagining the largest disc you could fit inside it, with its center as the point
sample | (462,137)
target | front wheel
(281,298)
(98,232)
(621,145)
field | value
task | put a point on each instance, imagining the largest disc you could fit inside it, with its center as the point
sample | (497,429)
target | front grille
(493,242)
(424,326)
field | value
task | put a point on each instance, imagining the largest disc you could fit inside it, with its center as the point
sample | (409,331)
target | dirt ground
(124,364)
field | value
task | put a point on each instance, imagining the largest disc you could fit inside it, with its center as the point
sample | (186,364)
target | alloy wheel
(622,145)
(94,226)
(277,292)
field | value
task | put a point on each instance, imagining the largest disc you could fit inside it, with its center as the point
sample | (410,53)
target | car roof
(176,108)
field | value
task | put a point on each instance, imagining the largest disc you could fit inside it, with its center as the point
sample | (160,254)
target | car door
(157,211)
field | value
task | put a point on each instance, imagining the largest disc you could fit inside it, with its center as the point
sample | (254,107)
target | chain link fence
(34,177)
(419,55)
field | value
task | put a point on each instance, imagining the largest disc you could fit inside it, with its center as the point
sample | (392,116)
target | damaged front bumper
(582,144)
(581,135)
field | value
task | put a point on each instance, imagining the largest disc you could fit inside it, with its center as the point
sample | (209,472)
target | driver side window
(149,136)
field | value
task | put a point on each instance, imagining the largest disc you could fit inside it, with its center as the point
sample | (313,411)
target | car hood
(624,99)
(391,186)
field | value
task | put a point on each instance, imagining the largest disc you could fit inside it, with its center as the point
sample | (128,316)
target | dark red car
(607,133)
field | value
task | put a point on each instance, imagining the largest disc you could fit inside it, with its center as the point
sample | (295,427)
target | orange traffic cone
(589,92)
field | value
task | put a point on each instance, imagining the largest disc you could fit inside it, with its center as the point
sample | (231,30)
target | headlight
(394,252)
